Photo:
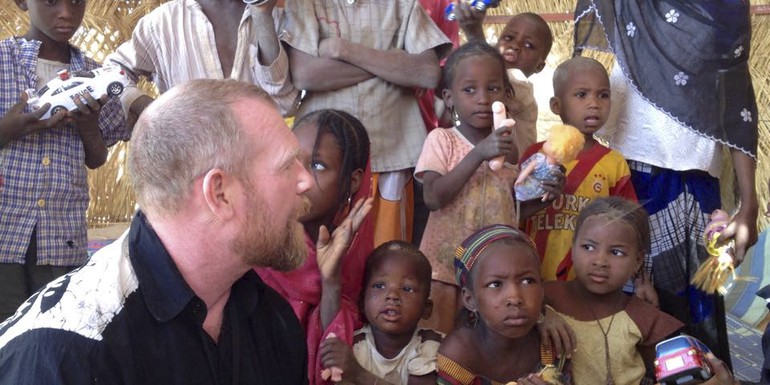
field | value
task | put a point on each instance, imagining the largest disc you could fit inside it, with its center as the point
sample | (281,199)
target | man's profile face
(274,183)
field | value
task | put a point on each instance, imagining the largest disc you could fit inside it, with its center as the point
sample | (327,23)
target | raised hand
(331,249)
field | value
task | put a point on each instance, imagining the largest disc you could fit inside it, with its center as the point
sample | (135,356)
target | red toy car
(682,361)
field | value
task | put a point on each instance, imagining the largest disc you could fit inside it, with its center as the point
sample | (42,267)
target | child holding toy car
(44,190)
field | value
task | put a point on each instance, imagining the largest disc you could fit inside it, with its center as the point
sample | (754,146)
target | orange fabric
(392,219)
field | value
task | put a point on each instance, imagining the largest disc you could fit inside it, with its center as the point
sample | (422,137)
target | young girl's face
(585,100)
(478,82)
(605,254)
(394,298)
(326,169)
(507,289)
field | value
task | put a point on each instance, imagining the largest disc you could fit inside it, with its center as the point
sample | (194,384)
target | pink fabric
(302,289)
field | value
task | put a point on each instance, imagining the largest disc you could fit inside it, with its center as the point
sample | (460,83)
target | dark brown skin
(225,16)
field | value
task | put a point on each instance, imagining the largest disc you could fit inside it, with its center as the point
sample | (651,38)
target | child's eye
(469,90)
(529,45)
(50,2)
(605,95)
(317,166)
(506,38)
(618,252)
(378,285)
(529,281)
(494,284)
(78,2)
(580,94)
(408,289)
(587,247)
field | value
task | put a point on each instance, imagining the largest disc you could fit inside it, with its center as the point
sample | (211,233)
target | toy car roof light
(63,74)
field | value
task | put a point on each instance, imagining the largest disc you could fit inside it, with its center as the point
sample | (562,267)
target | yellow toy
(563,145)
(713,275)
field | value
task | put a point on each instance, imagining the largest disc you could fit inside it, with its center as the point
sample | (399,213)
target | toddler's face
(584,101)
(523,44)
(507,289)
(394,298)
(605,254)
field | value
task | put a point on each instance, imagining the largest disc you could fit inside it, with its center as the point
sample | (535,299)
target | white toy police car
(62,90)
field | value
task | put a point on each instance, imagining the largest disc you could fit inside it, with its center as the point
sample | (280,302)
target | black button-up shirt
(128,317)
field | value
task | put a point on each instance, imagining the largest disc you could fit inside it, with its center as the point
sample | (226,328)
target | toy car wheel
(57,109)
(115,88)
(704,374)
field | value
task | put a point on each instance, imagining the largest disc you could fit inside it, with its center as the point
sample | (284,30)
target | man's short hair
(186,132)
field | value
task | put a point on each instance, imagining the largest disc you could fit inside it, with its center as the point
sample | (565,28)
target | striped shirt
(43,177)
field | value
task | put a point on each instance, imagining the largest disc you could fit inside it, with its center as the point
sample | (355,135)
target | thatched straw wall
(109,22)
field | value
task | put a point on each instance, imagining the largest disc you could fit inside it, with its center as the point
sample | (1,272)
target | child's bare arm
(16,124)
(439,190)
(330,252)
(470,21)
(322,74)
(428,379)
(86,119)
(395,66)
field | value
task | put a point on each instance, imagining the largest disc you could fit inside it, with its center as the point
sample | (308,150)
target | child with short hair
(582,99)
(459,187)
(616,333)
(43,178)
(390,348)
(502,293)
(525,43)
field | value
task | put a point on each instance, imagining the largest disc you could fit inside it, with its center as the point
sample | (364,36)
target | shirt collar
(30,48)
(164,289)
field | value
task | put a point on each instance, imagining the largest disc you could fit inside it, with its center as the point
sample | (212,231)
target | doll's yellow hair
(565,142)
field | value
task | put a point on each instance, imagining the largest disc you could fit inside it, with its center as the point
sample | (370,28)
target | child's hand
(330,250)
(561,335)
(16,124)
(470,20)
(531,379)
(86,116)
(722,375)
(337,354)
(645,291)
(499,142)
(553,188)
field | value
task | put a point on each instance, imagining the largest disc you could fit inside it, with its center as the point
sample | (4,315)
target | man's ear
(22,4)
(555,105)
(218,193)
(427,309)
(355,181)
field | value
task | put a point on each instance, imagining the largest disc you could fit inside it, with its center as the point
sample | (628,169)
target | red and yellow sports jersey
(597,172)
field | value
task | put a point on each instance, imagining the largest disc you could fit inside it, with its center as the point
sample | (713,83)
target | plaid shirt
(43,178)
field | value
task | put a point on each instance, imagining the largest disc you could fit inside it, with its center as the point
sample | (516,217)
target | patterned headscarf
(688,58)
(468,252)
